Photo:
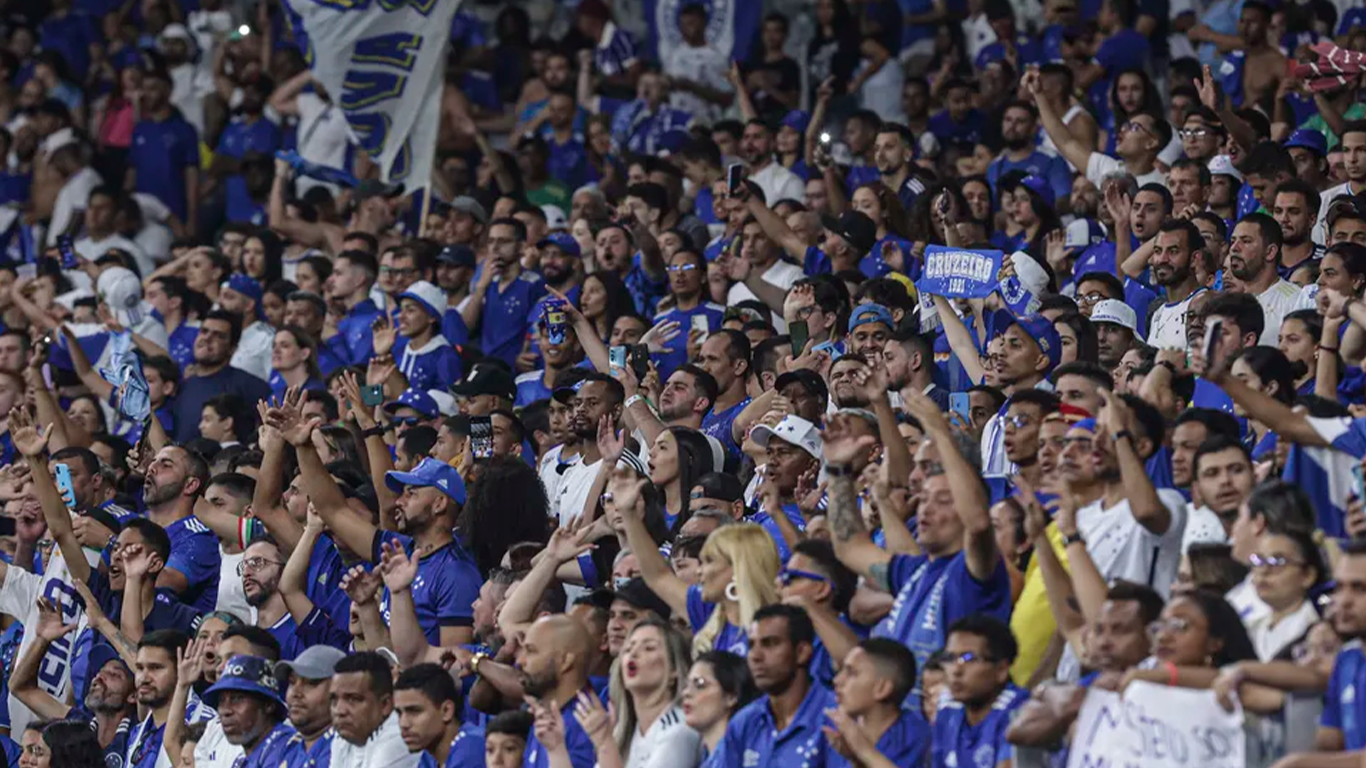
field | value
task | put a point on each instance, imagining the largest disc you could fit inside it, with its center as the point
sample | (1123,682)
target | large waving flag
(382,63)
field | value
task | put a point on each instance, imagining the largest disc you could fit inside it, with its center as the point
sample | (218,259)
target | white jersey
(667,743)
(1167,328)
(705,66)
(214,750)
(781,275)
(1319,234)
(1124,549)
(385,749)
(1098,166)
(575,483)
(1282,298)
(1202,527)
(231,597)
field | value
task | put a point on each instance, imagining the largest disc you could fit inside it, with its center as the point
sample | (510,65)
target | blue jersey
(905,743)
(503,326)
(1052,169)
(194,553)
(1342,707)
(278,385)
(325,571)
(967,131)
(753,739)
(272,750)
(299,755)
(445,589)
(434,365)
(161,152)
(931,594)
(719,425)
(576,742)
(668,362)
(731,637)
(239,138)
(766,521)
(355,343)
(467,750)
(197,390)
(959,744)
(182,344)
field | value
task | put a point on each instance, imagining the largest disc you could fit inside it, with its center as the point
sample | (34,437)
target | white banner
(382,62)
(1156,726)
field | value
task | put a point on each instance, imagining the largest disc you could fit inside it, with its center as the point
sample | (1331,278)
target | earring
(732,592)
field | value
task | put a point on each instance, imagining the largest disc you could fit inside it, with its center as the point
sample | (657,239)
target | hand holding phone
(1214,331)
(64,486)
(735,179)
(481,437)
(372,395)
(800,334)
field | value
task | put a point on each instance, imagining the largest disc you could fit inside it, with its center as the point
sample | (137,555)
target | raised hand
(564,544)
(1119,204)
(379,370)
(841,445)
(360,585)
(190,661)
(873,381)
(1055,250)
(1209,94)
(385,334)
(289,419)
(50,625)
(611,443)
(138,561)
(626,487)
(28,439)
(1030,81)
(662,333)
(396,567)
(595,721)
(847,737)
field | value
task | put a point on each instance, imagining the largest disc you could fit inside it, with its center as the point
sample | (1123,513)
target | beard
(1176,277)
(103,703)
(537,688)
(160,494)
(262,595)
(1017,143)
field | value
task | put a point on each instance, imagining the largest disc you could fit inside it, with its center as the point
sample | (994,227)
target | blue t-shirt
(239,138)
(197,390)
(576,742)
(932,594)
(503,326)
(194,553)
(906,742)
(467,750)
(568,162)
(272,750)
(753,739)
(297,755)
(160,153)
(766,521)
(668,362)
(958,744)
(436,366)
(1342,706)
(181,342)
(445,589)
(731,637)
(949,131)
(355,342)
(325,571)
(718,425)
(1053,169)
(278,385)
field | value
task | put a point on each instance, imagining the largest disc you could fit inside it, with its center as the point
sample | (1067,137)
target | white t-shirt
(705,66)
(231,597)
(1282,298)
(91,250)
(1320,232)
(253,351)
(1202,526)
(72,198)
(778,183)
(1124,549)
(19,594)
(1098,166)
(155,237)
(385,749)
(214,750)
(667,743)
(575,484)
(1167,328)
(1270,640)
(323,137)
(782,275)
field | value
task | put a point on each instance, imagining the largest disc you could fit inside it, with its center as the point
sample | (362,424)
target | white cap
(1222,165)
(176,32)
(794,430)
(121,290)
(1031,275)
(1115,311)
(445,402)
(432,298)
(555,219)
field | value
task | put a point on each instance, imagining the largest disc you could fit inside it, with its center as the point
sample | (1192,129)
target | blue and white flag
(133,398)
(1325,475)
(731,25)
(959,273)
(383,63)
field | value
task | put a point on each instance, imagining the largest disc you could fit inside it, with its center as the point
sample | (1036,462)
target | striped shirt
(616,51)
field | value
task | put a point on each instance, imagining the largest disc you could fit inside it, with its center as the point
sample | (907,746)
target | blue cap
(1040,186)
(429,474)
(871,313)
(101,653)
(1087,424)
(456,256)
(1037,327)
(797,120)
(1309,139)
(564,241)
(416,399)
(673,141)
(250,674)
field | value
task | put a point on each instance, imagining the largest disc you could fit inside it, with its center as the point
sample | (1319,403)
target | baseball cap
(456,256)
(1222,165)
(855,227)
(1310,139)
(871,313)
(554,217)
(794,430)
(250,674)
(432,298)
(1116,312)
(101,654)
(430,473)
(564,241)
(244,285)
(568,385)
(807,378)
(635,592)
(487,379)
(416,399)
(122,292)
(1037,327)
(797,120)
(1041,186)
(1083,233)
(470,207)
(317,662)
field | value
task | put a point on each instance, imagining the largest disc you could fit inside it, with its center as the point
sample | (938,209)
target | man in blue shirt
(429,704)
(726,356)
(970,729)
(687,271)
(505,293)
(251,709)
(877,676)
(219,333)
(250,132)
(307,694)
(959,122)
(782,727)
(163,160)
(355,272)
(553,664)
(1019,127)
(175,479)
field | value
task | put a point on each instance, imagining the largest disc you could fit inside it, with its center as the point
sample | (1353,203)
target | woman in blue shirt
(718,686)
(679,457)
(892,252)
(294,361)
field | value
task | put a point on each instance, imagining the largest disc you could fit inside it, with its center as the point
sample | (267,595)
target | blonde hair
(680,661)
(753,559)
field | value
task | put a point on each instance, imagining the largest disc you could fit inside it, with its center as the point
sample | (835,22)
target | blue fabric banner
(959,273)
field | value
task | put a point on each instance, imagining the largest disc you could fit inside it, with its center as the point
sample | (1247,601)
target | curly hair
(507,504)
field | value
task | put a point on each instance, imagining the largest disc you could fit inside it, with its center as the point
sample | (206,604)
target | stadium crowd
(804,384)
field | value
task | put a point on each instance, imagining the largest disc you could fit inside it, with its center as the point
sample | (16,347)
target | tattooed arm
(853,545)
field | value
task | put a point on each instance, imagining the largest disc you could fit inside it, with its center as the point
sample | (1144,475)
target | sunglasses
(789,575)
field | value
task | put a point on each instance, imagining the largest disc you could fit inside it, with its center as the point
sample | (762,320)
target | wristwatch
(474,661)
(1068,539)
(1123,434)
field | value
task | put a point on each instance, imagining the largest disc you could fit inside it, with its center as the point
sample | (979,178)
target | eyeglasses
(1271,562)
(1018,421)
(788,575)
(689,267)
(1194,133)
(1174,625)
(397,270)
(967,657)
(1091,298)
(406,421)
(1134,125)
(254,564)
(1307,650)
(806,311)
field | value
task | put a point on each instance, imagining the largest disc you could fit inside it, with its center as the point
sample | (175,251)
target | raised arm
(1068,146)
(742,97)
(31,441)
(1277,416)
(295,572)
(853,545)
(626,492)
(399,571)
(23,681)
(775,228)
(266,503)
(139,564)
(362,587)
(1147,506)
(285,98)
(519,609)
(381,461)
(960,340)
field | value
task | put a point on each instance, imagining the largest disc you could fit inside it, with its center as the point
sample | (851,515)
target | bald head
(554,655)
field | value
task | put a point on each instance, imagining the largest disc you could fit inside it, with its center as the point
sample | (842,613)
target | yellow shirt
(1032,620)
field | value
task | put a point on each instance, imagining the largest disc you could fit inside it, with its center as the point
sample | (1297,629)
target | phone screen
(481,437)
(64,487)
(699,324)
(959,404)
(800,335)
(616,357)
(734,178)
(1214,329)
(640,360)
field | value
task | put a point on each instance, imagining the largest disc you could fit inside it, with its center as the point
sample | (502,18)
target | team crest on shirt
(984,756)
(1349,694)
(751,758)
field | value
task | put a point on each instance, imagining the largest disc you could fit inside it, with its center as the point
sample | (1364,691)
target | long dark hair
(732,674)
(1224,625)
(1151,104)
(1271,365)
(619,301)
(73,745)
(506,504)
(695,459)
(274,249)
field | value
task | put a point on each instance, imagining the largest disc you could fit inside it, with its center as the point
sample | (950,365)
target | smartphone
(481,437)
(639,357)
(700,324)
(735,176)
(64,487)
(826,138)
(1214,329)
(959,404)
(372,395)
(800,335)
(1359,481)
(67,250)
(616,357)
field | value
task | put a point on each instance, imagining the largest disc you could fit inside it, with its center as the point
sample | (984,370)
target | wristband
(474,662)
(1123,434)
(839,470)
(1068,539)
(1168,365)
(376,431)
(633,399)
